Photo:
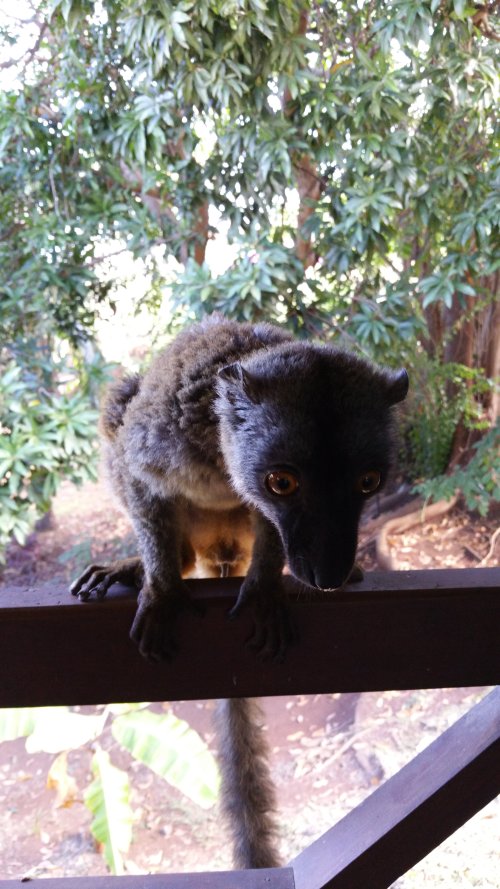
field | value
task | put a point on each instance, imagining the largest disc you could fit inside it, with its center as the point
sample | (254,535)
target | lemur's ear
(236,373)
(398,383)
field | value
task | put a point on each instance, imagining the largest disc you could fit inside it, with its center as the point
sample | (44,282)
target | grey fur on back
(166,421)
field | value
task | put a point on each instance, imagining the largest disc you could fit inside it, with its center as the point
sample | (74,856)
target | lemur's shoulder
(199,351)
(180,386)
(166,418)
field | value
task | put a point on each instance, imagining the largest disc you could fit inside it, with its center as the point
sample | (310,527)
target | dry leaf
(59,780)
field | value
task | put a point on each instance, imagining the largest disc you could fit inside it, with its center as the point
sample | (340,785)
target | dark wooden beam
(277,878)
(412,812)
(408,629)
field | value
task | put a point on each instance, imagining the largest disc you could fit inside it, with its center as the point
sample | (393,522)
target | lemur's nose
(317,577)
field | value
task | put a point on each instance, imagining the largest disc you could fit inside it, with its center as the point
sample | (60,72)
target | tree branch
(30,53)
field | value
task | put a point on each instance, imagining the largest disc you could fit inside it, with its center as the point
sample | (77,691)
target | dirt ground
(328,752)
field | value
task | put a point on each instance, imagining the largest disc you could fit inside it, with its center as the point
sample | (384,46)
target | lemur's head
(306,434)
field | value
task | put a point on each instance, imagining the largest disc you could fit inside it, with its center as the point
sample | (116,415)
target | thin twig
(53,187)
(29,54)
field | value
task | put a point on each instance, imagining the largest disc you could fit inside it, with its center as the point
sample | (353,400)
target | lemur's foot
(97,579)
(274,629)
(154,629)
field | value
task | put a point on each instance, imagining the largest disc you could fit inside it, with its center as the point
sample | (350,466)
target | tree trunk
(200,233)
(491,348)
(472,337)
(309,183)
(435,327)
(309,187)
(158,206)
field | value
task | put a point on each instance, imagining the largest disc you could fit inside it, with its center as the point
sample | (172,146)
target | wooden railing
(409,629)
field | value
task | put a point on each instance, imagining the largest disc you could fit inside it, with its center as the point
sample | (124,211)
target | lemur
(239,451)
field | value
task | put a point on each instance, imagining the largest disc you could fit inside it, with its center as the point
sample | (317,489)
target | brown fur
(222,542)
(118,398)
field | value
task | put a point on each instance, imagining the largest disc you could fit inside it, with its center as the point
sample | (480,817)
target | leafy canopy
(348,153)
(138,115)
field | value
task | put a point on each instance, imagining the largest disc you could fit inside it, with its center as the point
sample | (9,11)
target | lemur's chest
(206,488)
(203,486)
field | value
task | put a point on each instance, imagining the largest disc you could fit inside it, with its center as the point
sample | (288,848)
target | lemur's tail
(248,796)
(118,396)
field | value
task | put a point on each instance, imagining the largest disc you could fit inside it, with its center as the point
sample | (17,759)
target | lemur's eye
(368,482)
(281,482)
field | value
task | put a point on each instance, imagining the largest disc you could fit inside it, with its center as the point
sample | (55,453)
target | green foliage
(263,282)
(478,481)
(171,749)
(442,396)
(50,729)
(108,800)
(17,723)
(170,114)
(56,729)
(191,99)
(45,436)
(164,743)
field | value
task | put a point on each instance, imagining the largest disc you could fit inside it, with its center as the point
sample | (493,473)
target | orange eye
(368,482)
(281,482)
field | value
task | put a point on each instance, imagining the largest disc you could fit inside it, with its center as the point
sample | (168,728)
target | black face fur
(307,436)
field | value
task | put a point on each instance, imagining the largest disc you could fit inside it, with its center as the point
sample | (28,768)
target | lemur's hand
(97,579)
(154,629)
(274,630)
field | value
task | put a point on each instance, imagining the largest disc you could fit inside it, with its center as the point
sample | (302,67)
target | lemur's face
(309,458)
(313,490)
(317,514)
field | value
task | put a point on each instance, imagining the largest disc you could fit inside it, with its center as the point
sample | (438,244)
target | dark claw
(235,611)
(98,584)
(101,588)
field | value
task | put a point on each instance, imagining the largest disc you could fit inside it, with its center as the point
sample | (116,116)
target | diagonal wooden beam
(412,812)
(394,630)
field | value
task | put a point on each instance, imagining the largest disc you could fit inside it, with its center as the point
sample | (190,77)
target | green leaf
(173,750)
(108,800)
(17,723)
(57,728)
(460,8)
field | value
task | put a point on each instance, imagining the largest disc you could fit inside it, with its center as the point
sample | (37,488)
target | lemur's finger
(82,581)
(98,584)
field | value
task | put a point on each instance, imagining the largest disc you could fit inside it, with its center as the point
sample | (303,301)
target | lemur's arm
(262,590)
(163,594)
